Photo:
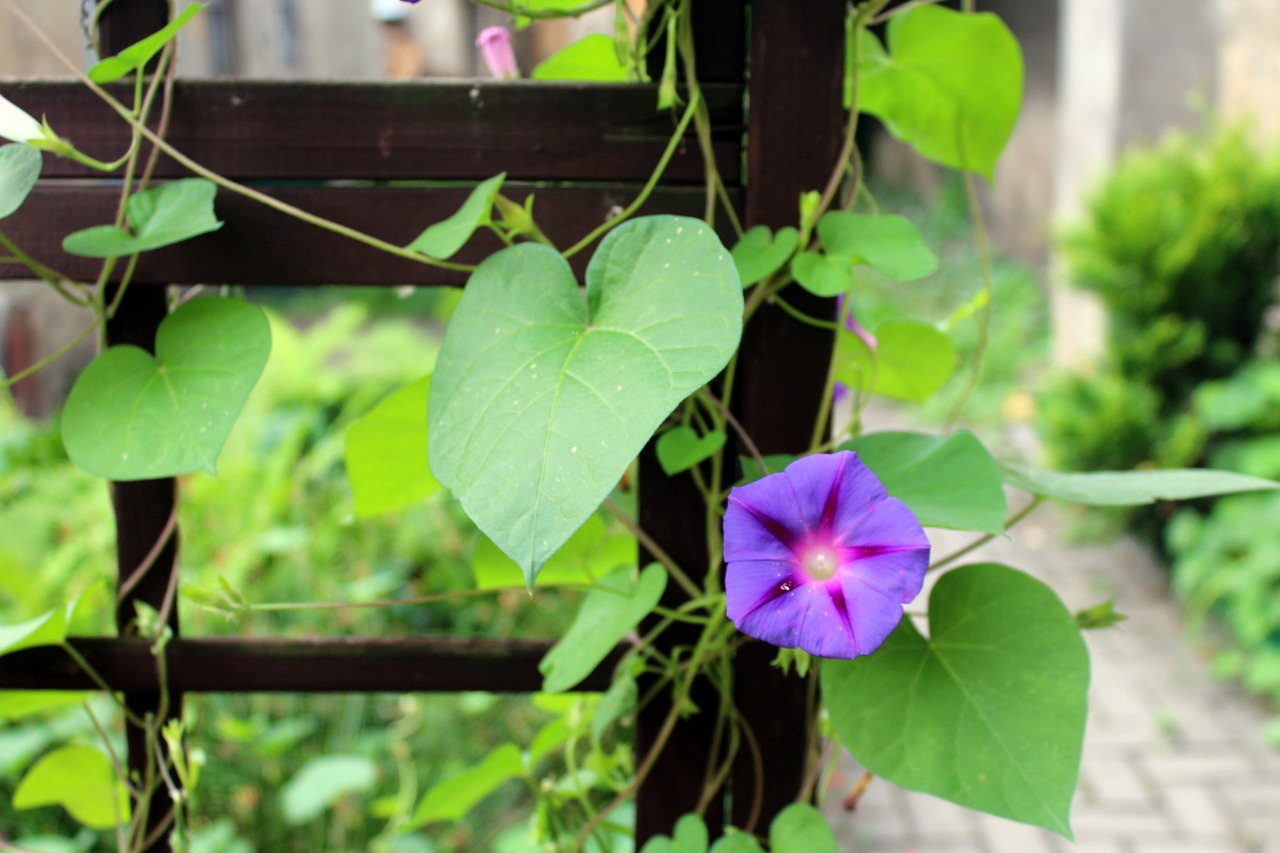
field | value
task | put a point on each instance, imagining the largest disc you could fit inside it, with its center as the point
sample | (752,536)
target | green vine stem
(50,276)
(988,288)
(676,138)
(1012,520)
(10,381)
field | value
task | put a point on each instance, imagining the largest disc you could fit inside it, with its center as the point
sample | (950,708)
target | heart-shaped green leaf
(606,614)
(19,171)
(913,360)
(887,243)
(446,237)
(760,253)
(988,712)
(321,782)
(134,417)
(689,836)
(739,842)
(451,799)
(681,448)
(139,53)
(855,361)
(386,452)
(823,274)
(947,481)
(539,401)
(160,216)
(801,828)
(950,86)
(81,780)
(588,555)
(589,58)
(1132,488)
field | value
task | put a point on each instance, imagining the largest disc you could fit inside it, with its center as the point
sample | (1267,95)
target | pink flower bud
(495,47)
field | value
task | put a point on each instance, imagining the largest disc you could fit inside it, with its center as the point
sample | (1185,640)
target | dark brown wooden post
(143,509)
(794,130)
(672,510)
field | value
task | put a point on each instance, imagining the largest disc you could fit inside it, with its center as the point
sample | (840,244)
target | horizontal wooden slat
(400,130)
(260,246)
(310,665)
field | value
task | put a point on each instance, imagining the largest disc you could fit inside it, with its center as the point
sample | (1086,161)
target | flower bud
(17,125)
(495,47)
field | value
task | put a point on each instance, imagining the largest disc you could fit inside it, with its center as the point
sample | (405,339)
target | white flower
(17,125)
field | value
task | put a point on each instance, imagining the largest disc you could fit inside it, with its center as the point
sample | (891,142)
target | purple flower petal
(750,584)
(820,558)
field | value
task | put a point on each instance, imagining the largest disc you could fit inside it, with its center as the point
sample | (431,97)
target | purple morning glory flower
(821,558)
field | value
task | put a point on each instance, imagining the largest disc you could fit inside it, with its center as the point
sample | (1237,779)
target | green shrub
(1182,244)
(293,540)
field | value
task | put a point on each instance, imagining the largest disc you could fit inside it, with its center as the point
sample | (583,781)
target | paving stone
(1196,810)
(1001,835)
(1113,782)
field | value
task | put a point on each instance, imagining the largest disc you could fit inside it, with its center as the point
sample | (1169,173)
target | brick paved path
(1174,760)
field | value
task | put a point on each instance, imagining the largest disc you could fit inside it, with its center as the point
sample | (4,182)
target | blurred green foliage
(1019,329)
(277,526)
(1182,244)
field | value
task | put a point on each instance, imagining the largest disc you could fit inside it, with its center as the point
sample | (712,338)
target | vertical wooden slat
(672,511)
(143,509)
(794,125)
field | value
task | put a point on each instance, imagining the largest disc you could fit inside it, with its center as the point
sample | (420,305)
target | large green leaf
(81,780)
(134,417)
(947,481)
(139,53)
(445,238)
(1132,488)
(950,85)
(588,555)
(15,704)
(988,712)
(161,216)
(451,799)
(386,452)
(606,614)
(801,828)
(323,781)
(539,401)
(913,360)
(19,171)
(591,58)
(47,629)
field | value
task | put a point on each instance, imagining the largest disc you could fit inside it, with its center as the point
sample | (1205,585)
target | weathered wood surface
(260,246)
(399,130)
(304,665)
(796,119)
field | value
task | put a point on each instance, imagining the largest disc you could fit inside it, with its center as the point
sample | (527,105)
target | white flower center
(820,562)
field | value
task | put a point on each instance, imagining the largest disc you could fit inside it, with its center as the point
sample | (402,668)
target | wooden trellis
(772,73)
